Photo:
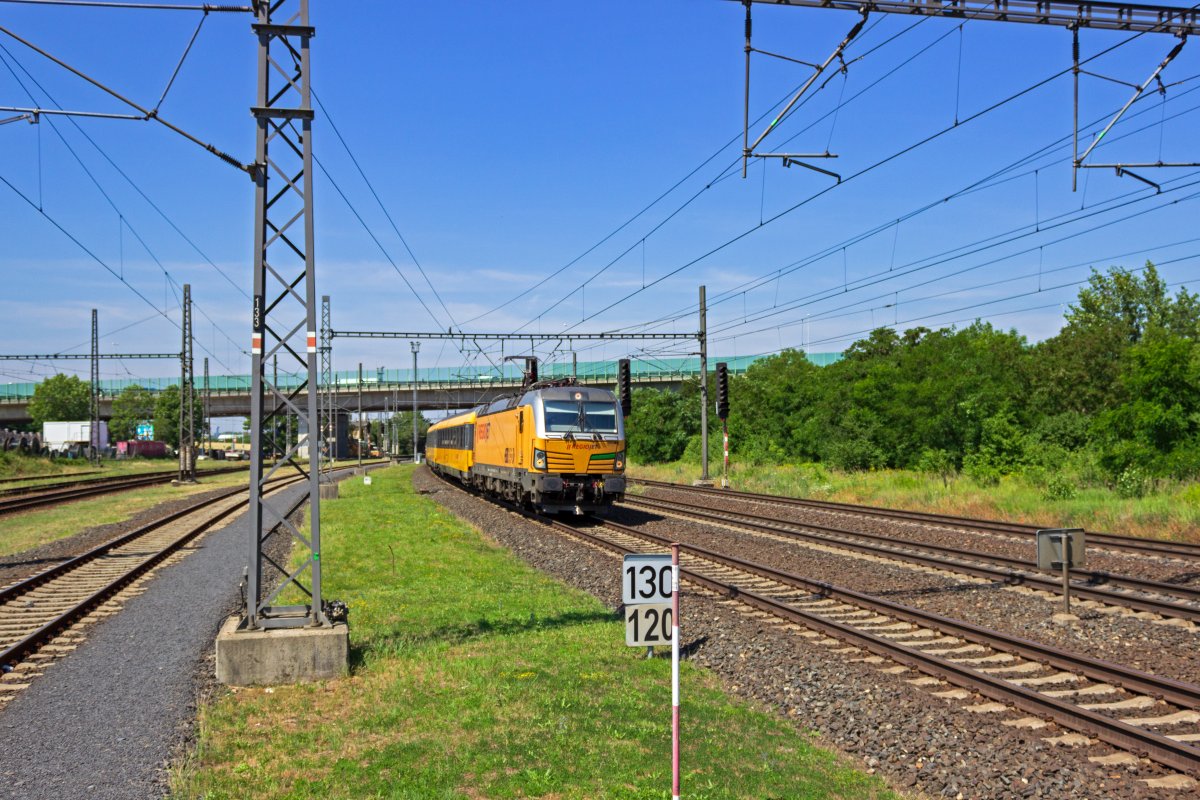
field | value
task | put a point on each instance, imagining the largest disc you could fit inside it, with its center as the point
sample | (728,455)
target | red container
(138,449)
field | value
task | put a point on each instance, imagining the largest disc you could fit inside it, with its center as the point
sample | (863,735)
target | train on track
(554,446)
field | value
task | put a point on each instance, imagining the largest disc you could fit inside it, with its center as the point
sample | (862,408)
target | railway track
(27,498)
(49,478)
(1113,541)
(1166,599)
(38,610)
(1141,714)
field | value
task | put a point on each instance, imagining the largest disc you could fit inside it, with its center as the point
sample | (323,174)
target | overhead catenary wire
(607,237)
(206,8)
(948,255)
(989,181)
(117,168)
(721,176)
(926,48)
(387,214)
(91,254)
(925,317)
(172,282)
(865,170)
(148,114)
(849,310)
(889,274)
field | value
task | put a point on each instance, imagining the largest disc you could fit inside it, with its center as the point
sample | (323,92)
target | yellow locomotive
(555,446)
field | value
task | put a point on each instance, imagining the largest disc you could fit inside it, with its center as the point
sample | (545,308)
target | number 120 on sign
(648,624)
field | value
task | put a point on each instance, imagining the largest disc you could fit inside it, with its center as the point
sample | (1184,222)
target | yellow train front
(555,448)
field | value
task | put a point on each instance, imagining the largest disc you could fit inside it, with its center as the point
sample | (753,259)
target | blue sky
(506,140)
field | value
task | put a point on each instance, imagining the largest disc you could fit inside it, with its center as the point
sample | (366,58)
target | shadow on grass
(398,640)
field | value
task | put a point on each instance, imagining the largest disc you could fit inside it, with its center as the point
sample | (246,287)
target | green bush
(935,461)
(1058,487)
(1133,482)
(982,470)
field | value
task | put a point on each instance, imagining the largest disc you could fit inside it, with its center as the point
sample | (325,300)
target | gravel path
(104,721)
(922,744)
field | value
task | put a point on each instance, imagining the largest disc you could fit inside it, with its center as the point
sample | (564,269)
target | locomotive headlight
(619,461)
(539,459)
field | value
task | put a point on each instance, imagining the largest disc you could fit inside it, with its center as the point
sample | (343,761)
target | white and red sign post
(650,591)
(675,671)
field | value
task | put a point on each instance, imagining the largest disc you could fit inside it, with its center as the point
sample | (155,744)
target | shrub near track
(475,676)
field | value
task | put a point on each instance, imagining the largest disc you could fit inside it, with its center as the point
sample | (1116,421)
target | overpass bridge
(438,388)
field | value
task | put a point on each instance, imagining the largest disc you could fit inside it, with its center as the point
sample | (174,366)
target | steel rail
(1166,751)
(48,477)
(34,581)
(1024,573)
(46,632)
(1111,540)
(21,500)
(102,481)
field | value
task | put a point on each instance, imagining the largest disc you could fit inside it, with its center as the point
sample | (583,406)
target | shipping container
(63,436)
(141,449)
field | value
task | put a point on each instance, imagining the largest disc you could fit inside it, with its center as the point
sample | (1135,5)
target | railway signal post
(723,413)
(416,348)
(703,337)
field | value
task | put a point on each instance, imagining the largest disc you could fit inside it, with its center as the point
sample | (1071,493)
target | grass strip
(474,676)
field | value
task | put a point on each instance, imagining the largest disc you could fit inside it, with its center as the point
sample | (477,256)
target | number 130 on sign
(646,579)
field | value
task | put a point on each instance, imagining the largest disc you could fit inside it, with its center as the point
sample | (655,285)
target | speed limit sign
(650,592)
(649,625)
(646,579)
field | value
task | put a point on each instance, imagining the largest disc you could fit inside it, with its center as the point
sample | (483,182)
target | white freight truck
(64,438)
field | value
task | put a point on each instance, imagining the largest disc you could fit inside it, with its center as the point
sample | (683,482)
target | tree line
(1114,398)
(67,397)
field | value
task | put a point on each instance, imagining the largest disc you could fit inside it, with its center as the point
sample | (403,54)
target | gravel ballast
(923,744)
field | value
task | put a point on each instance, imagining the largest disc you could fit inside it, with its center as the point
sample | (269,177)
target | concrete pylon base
(703,483)
(281,655)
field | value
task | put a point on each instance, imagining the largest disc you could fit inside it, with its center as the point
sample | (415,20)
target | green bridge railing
(479,377)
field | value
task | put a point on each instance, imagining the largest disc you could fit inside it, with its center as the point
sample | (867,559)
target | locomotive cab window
(580,416)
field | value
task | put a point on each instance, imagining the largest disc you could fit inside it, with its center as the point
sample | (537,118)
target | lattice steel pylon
(285,309)
(326,398)
(206,402)
(94,399)
(187,395)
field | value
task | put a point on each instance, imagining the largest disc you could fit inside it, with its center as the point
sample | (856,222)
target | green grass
(17,465)
(1171,513)
(474,676)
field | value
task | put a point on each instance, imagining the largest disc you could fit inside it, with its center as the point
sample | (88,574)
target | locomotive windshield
(580,416)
